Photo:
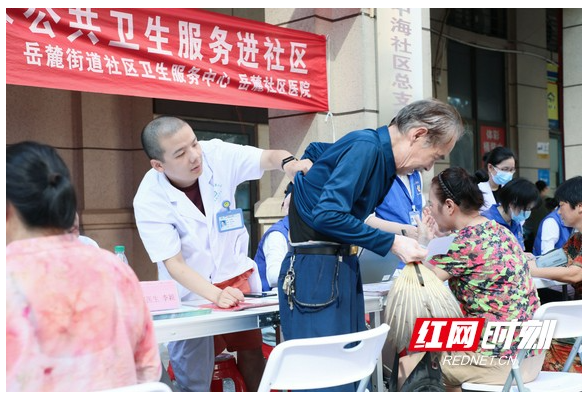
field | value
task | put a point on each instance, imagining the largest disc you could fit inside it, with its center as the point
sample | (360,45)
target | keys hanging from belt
(288,285)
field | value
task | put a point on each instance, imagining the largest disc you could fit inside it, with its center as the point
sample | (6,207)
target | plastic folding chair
(143,387)
(569,325)
(316,363)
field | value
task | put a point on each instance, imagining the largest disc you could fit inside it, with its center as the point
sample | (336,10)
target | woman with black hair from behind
(75,315)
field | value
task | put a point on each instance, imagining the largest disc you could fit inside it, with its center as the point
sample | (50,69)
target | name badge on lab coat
(230,220)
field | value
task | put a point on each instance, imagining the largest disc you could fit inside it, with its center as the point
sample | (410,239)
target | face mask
(501,177)
(521,216)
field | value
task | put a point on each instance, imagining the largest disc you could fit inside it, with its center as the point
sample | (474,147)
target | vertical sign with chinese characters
(400,60)
(179,54)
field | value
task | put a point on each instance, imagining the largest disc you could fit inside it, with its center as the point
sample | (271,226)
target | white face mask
(521,216)
(502,177)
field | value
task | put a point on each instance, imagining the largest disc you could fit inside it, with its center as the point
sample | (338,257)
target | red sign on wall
(179,54)
(491,137)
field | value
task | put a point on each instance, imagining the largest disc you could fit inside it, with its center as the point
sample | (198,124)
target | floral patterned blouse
(490,277)
(75,319)
(573,249)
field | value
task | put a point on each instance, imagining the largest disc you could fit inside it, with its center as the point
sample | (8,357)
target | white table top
(218,322)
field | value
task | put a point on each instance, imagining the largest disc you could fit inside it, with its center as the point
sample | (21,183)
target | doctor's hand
(229,297)
(408,249)
(291,168)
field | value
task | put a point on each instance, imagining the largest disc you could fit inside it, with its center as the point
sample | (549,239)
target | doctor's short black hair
(162,126)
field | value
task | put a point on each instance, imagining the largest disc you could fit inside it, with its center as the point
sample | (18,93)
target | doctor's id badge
(230,219)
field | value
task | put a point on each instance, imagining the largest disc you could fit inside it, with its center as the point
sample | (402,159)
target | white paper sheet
(439,245)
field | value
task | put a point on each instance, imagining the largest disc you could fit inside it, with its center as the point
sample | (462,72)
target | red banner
(179,54)
(491,137)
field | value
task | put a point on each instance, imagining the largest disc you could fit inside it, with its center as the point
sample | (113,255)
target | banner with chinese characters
(491,137)
(179,54)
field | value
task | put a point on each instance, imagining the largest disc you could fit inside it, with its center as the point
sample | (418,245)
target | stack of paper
(378,288)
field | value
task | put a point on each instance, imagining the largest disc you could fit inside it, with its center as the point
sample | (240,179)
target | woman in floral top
(487,273)
(75,315)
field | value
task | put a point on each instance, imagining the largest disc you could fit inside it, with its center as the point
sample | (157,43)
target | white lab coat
(168,221)
(489,200)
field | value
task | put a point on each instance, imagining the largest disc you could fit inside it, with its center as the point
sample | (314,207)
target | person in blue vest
(402,208)
(272,249)
(552,233)
(319,287)
(569,198)
(517,198)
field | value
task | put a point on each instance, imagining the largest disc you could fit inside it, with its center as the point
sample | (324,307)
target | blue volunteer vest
(398,203)
(564,233)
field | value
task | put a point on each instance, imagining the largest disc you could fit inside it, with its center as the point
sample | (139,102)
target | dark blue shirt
(345,184)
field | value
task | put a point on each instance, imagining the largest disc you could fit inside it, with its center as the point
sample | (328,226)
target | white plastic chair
(569,325)
(322,362)
(143,387)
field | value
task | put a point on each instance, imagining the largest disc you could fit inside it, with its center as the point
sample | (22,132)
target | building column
(572,91)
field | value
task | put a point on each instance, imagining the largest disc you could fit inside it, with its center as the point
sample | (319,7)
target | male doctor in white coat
(186,217)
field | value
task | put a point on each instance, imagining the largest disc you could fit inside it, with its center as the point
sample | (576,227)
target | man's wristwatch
(287,160)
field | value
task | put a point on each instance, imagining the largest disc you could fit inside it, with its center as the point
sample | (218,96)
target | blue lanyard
(415,187)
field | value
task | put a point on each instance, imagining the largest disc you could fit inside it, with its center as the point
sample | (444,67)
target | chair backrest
(568,315)
(143,387)
(569,325)
(323,362)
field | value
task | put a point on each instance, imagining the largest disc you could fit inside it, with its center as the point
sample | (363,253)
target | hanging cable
(522,52)
(329,113)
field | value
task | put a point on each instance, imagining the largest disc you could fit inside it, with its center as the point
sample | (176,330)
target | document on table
(439,245)
(377,288)
(182,311)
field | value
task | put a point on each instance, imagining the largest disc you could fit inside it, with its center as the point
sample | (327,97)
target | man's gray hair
(442,120)
(163,126)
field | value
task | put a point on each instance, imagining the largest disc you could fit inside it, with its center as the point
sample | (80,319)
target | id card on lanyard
(229,220)
(417,199)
